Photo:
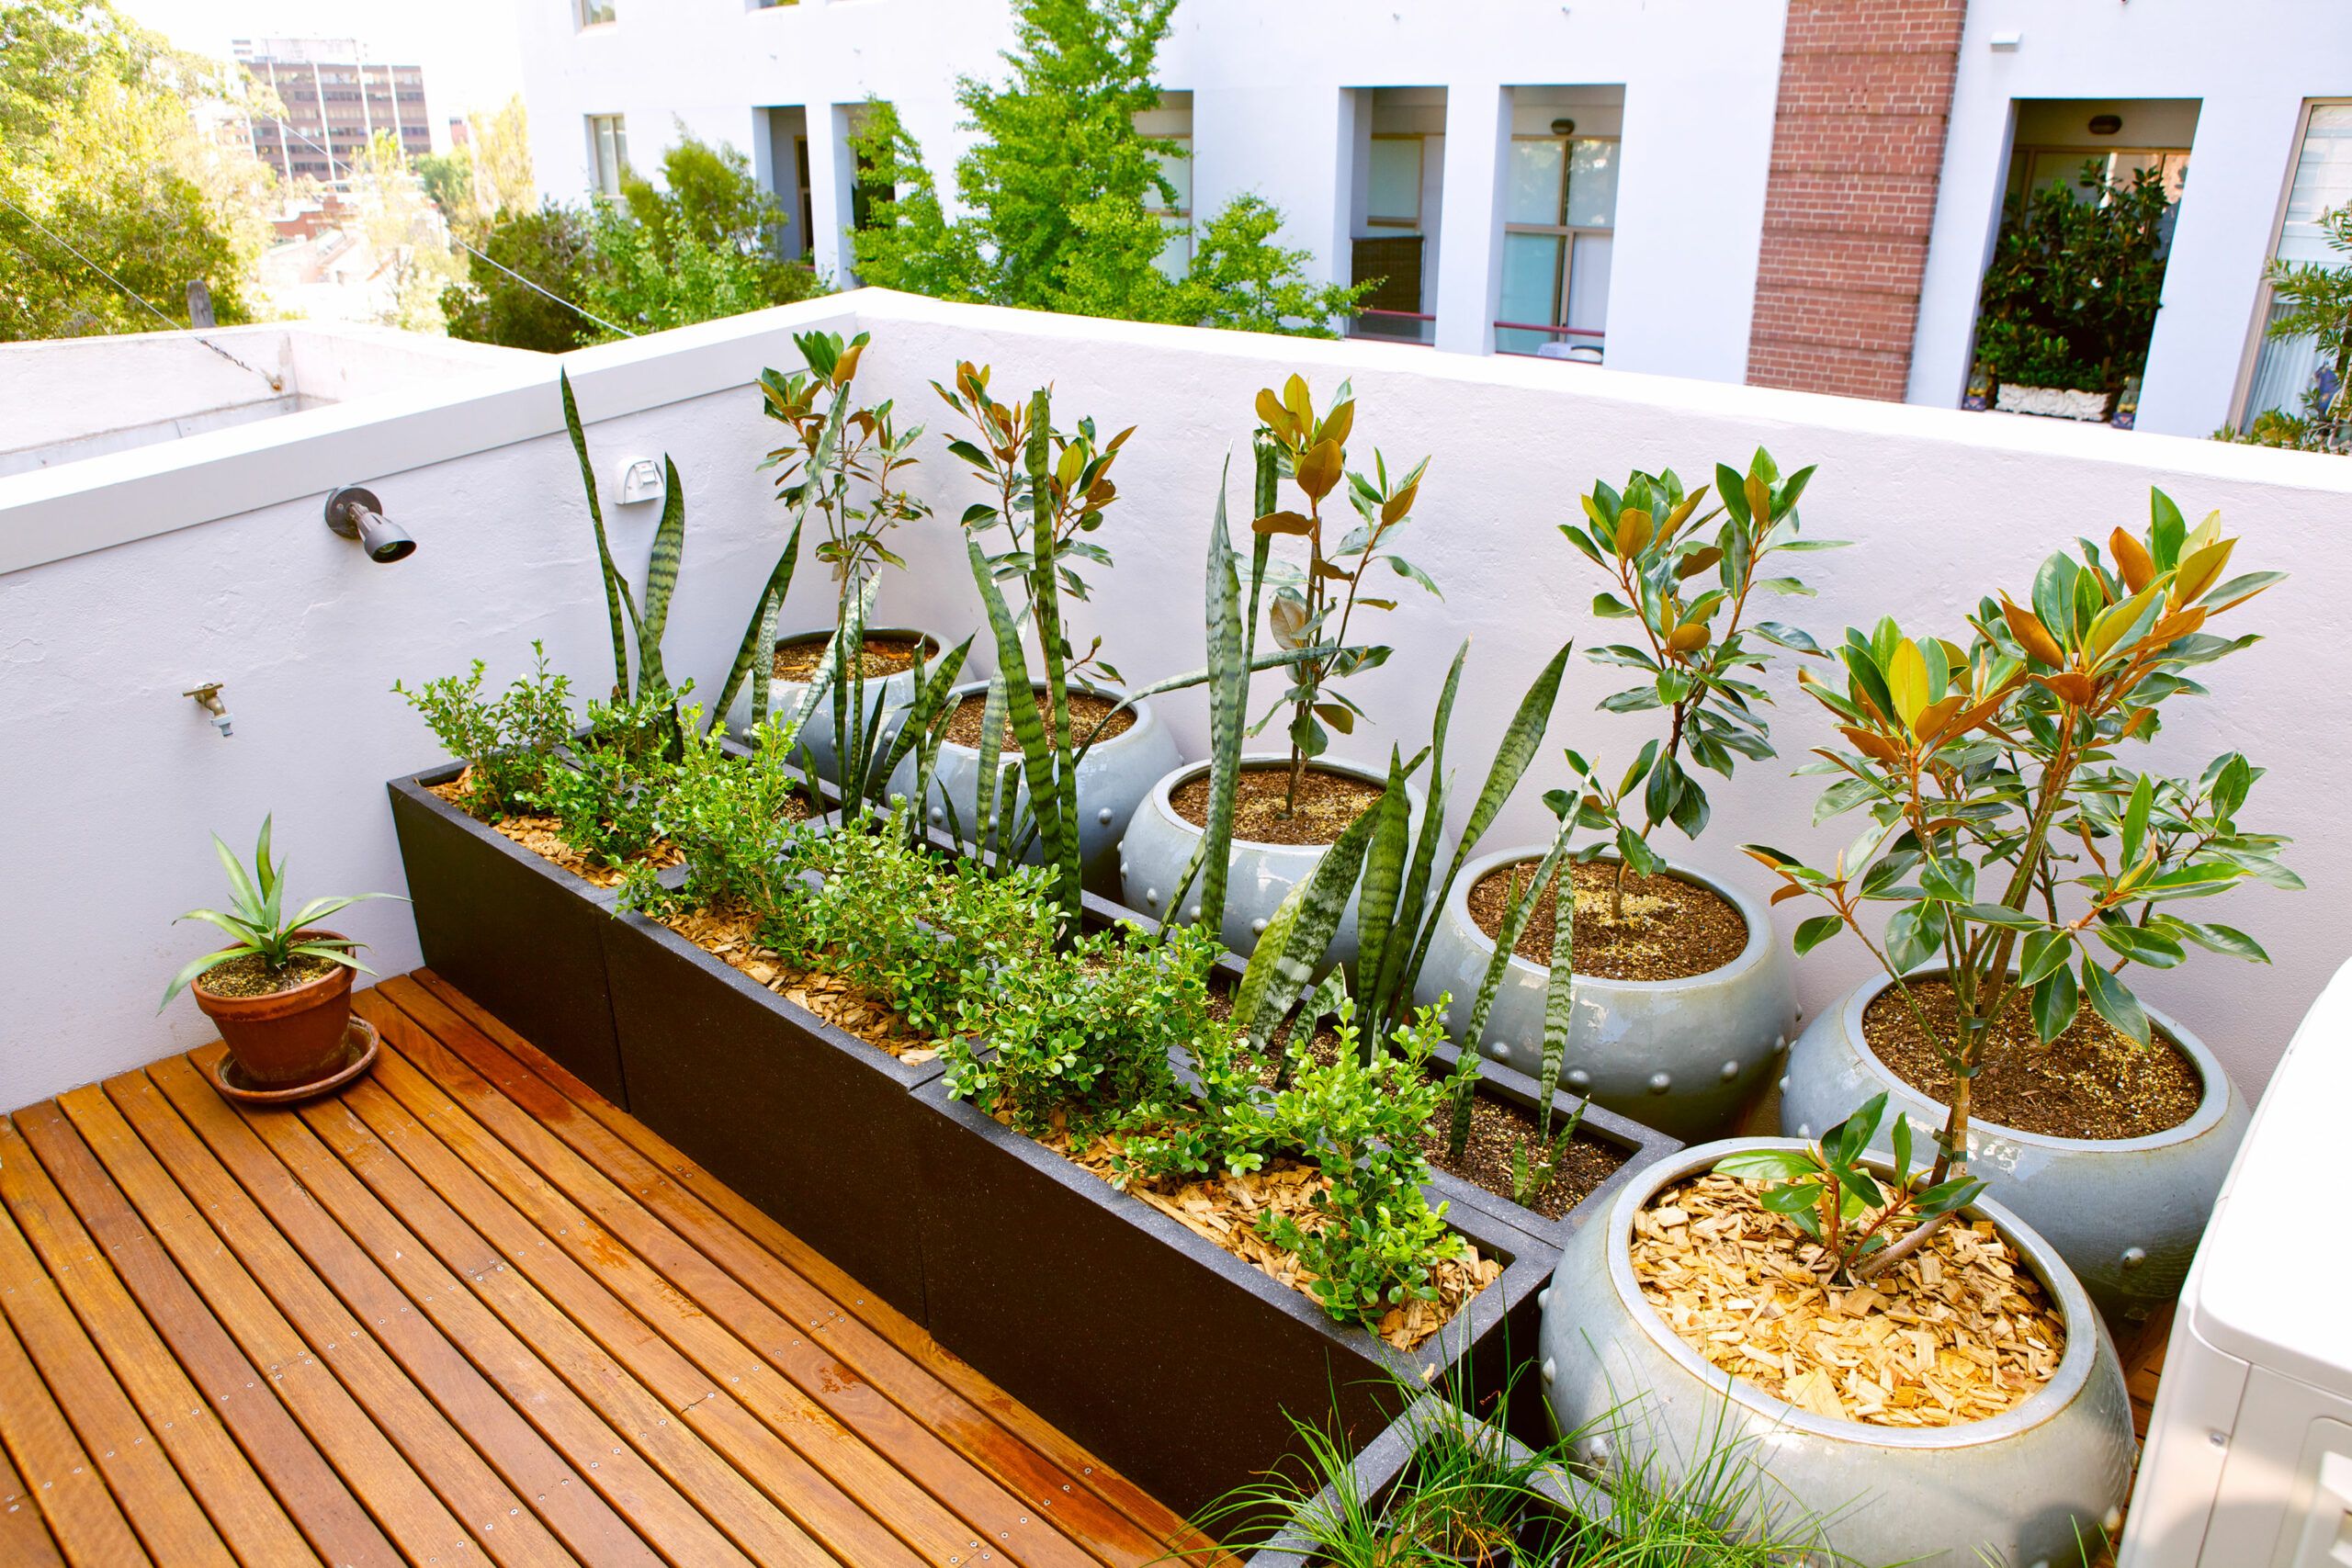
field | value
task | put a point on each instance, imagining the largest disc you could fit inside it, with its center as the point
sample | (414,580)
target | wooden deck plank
(169,1521)
(249,1520)
(24,1538)
(393,1469)
(831,1483)
(519,1363)
(245,1399)
(530,1114)
(439,1445)
(79,1511)
(1155,1518)
(577,1505)
(701,1474)
(1018,1523)
(465,1311)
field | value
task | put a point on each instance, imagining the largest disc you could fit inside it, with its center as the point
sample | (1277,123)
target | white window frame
(595,124)
(1567,233)
(2252,353)
(585,14)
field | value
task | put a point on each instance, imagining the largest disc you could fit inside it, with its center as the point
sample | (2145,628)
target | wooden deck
(468,1312)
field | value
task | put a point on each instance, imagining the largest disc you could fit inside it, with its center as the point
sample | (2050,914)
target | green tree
(697,247)
(2318,301)
(449,181)
(501,150)
(411,240)
(100,153)
(1061,193)
(2070,297)
(549,246)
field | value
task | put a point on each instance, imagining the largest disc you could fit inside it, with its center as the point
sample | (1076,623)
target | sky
(469,48)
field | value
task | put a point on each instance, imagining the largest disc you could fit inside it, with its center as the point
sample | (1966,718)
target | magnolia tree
(2016,858)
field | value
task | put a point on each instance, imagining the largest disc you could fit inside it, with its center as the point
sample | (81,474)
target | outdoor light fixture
(355,514)
(1563,127)
(2106,124)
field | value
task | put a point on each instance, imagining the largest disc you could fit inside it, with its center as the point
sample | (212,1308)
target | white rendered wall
(114,779)
(1700,79)
(2252,63)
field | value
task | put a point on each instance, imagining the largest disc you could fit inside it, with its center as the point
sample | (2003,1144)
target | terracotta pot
(287,1038)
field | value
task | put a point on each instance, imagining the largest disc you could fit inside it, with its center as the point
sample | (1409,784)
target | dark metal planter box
(1173,1359)
(1383,1462)
(818,1128)
(511,928)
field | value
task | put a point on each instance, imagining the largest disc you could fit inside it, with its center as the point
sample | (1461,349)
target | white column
(831,169)
(1470,259)
(2228,212)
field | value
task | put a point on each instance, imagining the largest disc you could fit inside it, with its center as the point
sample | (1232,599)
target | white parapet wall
(127,579)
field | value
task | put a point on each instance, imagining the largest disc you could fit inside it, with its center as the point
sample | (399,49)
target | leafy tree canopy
(2070,297)
(100,153)
(1062,194)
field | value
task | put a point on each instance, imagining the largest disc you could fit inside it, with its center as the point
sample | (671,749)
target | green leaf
(1298,934)
(195,967)
(1813,933)
(2056,1000)
(617,597)
(2113,1001)
(759,634)
(2002,915)
(2045,954)
(1507,938)
(662,580)
(1768,1164)
(1383,877)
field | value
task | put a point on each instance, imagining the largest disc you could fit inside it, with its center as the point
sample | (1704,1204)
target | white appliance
(2249,1455)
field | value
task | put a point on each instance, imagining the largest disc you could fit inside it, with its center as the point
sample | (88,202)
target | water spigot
(207,697)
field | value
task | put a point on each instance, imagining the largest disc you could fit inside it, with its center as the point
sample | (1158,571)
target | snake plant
(661,571)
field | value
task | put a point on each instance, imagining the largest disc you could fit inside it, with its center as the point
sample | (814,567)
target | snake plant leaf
(822,679)
(1384,877)
(1324,1001)
(1507,938)
(988,777)
(1229,674)
(1559,993)
(1037,753)
(928,706)
(1385,1006)
(1512,758)
(617,597)
(1299,932)
(662,580)
(759,634)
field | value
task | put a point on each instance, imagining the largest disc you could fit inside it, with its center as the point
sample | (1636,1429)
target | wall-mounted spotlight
(355,514)
(1563,127)
(2106,124)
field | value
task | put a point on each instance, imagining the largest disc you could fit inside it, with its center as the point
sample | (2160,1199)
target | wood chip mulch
(1090,718)
(1225,1211)
(1958,1332)
(1671,929)
(539,835)
(730,935)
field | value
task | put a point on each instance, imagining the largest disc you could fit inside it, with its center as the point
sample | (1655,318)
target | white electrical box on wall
(2249,1456)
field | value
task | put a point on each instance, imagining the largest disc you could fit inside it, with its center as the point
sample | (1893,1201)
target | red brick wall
(1858,143)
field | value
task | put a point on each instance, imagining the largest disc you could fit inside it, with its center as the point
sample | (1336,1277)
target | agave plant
(257,925)
(2020,861)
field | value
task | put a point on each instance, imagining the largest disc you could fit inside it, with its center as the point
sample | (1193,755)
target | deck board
(467,1311)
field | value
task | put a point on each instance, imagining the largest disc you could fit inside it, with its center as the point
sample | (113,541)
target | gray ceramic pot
(1679,1055)
(1113,779)
(892,695)
(2018,1486)
(2126,1213)
(1159,844)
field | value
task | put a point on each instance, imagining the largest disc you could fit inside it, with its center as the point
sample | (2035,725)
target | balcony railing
(1395,326)
(1586,349)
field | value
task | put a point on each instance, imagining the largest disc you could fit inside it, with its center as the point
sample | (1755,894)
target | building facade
(1797,193)
(336,99)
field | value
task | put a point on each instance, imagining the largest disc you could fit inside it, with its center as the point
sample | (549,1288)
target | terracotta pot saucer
(360,1044)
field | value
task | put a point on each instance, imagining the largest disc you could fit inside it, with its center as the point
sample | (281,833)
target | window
(591,13)
(1176,168)
(1394,200)
(2285,368)
(607,150)
(1559,221)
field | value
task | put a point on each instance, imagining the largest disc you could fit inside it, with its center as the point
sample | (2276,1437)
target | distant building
(336,99)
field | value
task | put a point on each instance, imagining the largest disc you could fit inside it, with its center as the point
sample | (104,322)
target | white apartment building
(1797,193)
